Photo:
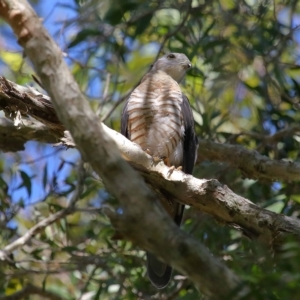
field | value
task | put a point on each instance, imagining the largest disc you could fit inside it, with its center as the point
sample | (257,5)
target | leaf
(3,185)
(26,182)
(13,60)
(117,10)
(45,176)
(197,117)
(168,17)
(276,207)
(196,72)
(142,24)
(69,249)
(82,35)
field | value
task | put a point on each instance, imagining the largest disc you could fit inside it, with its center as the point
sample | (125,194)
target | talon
(171,169)
(179,168)
(148,151)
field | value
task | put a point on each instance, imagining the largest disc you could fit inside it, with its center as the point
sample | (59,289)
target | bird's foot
(172,168)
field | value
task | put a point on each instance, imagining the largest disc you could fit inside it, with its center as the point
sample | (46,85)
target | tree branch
(250,162)
(19,100)
(209,196)
(242,216)
(14,98)
(230,209)
(139,205)
(13,138)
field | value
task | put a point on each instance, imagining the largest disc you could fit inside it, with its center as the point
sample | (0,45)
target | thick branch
(251,163)
(139,204)
(242,215)
(230,208)
(208,196)
(13,138)
(14,98)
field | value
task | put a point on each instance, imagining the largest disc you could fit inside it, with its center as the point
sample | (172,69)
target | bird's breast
(155,123)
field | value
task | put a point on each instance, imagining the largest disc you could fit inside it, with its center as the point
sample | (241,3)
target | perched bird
(158,117)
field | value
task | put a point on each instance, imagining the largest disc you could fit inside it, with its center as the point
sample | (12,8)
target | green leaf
(3,185)
(69,249)
(83,35)
(45,176)
(142,24)
(117,10)
(276,207)
(26,182)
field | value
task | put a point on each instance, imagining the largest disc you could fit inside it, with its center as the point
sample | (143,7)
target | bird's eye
(171,56)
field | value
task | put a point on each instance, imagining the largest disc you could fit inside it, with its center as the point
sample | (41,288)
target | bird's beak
(187,65)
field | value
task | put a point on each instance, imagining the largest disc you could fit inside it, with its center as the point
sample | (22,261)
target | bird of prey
(158,117)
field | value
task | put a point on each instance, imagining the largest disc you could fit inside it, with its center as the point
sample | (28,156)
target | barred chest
(155,120)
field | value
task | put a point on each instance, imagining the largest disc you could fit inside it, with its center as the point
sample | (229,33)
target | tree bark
(139,205)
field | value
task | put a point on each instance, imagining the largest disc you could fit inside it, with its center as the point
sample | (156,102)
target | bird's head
(174,64)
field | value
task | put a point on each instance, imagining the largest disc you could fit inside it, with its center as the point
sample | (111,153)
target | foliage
(243,88)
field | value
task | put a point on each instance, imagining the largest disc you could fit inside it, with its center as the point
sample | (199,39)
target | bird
(158,117)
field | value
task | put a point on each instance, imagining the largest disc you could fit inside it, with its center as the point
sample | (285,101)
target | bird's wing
(190,145)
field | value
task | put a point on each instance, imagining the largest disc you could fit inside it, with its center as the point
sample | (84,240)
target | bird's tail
(159,272)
